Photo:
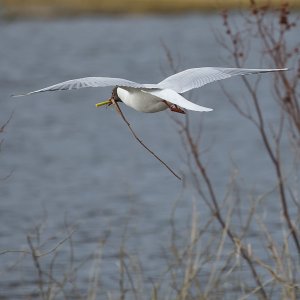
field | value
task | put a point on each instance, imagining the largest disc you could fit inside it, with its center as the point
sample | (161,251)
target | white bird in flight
(152,98)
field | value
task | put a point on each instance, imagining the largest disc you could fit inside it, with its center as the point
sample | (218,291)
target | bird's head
(114,96)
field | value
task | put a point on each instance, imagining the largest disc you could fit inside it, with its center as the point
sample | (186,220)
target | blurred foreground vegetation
(53,8)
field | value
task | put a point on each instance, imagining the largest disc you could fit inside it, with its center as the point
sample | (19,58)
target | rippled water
(71,161)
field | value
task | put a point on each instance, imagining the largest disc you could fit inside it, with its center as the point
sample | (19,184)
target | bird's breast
(140,100)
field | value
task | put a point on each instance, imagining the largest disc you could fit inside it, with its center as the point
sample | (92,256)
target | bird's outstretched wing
(171,96)
(91,82)
(180,82)
(197,77)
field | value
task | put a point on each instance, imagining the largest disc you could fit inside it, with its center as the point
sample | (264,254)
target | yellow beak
(107,102)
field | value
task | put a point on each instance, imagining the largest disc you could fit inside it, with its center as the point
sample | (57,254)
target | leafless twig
(140,141)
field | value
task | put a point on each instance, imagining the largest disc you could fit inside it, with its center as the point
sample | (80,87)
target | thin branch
(5,124)
(44,253)
(140,141)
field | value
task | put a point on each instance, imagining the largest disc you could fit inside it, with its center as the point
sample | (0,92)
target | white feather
(90,82)
(173,97)
(140,100)
(197,77)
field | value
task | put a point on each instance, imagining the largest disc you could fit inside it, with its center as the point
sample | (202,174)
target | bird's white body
(141,101)
(157,97)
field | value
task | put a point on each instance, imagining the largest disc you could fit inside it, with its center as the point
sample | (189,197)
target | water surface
(71,161)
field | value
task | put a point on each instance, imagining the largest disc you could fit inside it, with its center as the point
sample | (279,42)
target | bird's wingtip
(21,95)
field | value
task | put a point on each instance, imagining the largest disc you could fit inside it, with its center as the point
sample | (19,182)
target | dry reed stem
(94,274)
(216,211)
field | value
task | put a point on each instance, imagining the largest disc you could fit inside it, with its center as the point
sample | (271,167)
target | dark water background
(71,161)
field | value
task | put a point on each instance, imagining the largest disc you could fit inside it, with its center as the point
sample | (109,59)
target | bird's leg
(174,107)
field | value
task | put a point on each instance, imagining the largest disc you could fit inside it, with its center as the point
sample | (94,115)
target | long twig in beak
(116,105)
